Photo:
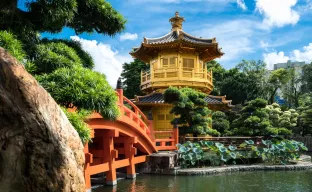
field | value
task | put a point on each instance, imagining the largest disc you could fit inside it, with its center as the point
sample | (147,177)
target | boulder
(40,151)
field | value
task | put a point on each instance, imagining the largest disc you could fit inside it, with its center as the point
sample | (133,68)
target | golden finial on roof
(176,22)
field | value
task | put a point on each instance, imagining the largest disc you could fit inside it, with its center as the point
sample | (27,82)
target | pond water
(266,181)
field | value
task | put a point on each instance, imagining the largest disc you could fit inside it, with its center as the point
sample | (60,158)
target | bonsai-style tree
(220,123)
(258,119)
(253,120)
(191,110)
(283,121)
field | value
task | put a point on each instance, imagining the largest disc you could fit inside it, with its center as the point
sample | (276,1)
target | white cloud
(295,55)
(236,37)
(128,36)
(278,12)
(305,55)
(241,4)
(271,58)
(264,44)
(106,60)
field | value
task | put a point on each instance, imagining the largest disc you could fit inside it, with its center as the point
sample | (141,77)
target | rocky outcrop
(39,149)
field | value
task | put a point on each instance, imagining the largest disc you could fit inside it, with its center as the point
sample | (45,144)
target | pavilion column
(109,155)
(130,152)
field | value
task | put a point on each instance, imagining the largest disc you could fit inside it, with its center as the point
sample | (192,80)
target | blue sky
(269,30)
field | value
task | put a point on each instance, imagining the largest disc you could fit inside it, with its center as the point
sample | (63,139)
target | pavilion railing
(169,140)
(176,73)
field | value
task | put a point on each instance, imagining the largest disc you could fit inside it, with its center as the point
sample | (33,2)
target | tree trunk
(272,96)
(39,149)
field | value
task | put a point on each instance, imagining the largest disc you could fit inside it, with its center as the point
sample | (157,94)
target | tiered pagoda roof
(179,40)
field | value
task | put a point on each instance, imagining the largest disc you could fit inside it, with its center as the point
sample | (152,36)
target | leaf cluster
(190,108)
(53,15)
(77,119)
(82,88)
(279,151)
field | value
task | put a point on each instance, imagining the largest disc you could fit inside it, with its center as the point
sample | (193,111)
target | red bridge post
(110,154)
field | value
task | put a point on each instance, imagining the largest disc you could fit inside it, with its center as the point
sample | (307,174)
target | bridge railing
(169,141)
(135,114)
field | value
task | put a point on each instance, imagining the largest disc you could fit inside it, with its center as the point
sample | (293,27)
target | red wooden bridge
(122,143)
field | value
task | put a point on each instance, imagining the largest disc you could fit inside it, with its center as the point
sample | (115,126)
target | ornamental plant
(280,151)
(275,152)
(190,154)
(220,123)
(77,119)
(191,110)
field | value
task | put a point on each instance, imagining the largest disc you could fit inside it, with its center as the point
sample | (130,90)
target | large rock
(39,149)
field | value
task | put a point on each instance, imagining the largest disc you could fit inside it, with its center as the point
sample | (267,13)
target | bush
(51,56)
(273,151)
(280,151)
(77,119)
(190,154)
(83,88)
(9,42)
(220,122)
(284,131)
(213,132)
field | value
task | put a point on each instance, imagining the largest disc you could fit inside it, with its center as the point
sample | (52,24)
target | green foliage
(307,78)
(84,56)
(190,154)
(280,151)
(253,120)
(52,15)
(51,56)
(273,151)
(59,64)
(305,117)
(245,82)
(293,89)
(220,123)
(190,107)
(276,80)
(83,88)
(284,131)
(131,76)
(9,42)
(218,76)
(257,118)
(285,119)
(77,119)
(213,132)
(108,20)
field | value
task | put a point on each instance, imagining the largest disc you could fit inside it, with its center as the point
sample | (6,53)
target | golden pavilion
(175,59)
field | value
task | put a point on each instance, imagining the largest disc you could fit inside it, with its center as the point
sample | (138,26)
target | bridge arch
(116,144)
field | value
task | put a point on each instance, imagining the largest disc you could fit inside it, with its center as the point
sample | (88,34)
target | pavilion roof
(178,35)
(177,39)
(158,98)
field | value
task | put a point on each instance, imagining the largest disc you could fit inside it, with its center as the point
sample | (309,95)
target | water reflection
(281,181)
